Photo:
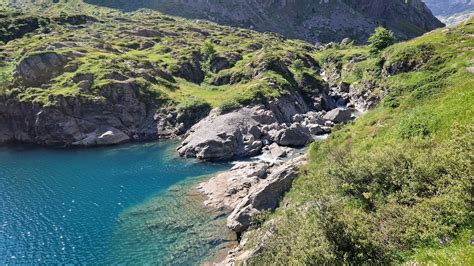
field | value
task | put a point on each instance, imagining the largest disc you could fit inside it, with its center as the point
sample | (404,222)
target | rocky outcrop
(80,121)
(190,70)
(265,195)
(294,135)
(361,96)
(173,123)
(405,61)
(249,188)
(244,132)
(222,137)
(364,97)
(227,189)
(37,69)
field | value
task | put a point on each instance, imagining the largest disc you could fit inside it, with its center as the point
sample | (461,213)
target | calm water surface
(120,205)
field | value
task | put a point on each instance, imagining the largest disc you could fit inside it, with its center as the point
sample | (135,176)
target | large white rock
(265,195)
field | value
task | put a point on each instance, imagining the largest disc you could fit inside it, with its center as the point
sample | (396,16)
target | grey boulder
(265,195)
(295,135)
(221,137)
(338,115)
(37,69)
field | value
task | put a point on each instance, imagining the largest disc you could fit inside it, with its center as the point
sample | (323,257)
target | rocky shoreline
(274,140)
(273,129)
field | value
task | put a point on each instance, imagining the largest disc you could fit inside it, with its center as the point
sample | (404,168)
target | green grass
(457,252)
(109,46)
(386,187)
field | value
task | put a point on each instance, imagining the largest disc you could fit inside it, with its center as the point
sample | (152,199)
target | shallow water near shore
(131,204)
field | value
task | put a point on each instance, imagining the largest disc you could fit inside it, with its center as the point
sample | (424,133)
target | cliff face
(321,20)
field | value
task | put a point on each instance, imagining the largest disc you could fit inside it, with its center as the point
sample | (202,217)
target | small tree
(381,39)
(208,51)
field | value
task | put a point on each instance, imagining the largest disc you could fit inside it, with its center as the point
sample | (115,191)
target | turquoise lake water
(130,204)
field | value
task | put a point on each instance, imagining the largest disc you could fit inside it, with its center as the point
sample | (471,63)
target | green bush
(381,39)
(416,124)
(208,51)
(372,206)
(5,79)
(228,106)
(298,66)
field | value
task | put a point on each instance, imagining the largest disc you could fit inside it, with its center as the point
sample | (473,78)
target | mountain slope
(447,8)
(70,79)
(451,11)
(321,21)
(396,184)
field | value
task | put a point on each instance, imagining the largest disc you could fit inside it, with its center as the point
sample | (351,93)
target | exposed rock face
(190,70)
(244,132)
(227,189)
(361,97)
(364,99)
(72,120)
(222,137)
(173,123)
(265,195)
(321,21)
(38,69)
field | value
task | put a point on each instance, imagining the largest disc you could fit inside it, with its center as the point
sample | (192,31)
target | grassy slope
(385,188)
(108,46)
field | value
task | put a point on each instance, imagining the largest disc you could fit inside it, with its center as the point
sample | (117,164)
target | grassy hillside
(310,20)
(174,61)
(395,185)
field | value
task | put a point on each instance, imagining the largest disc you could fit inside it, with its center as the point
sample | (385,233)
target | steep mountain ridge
(449,7)
(451,12)
(321,21)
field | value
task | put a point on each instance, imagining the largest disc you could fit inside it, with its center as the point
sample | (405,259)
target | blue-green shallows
(130,204)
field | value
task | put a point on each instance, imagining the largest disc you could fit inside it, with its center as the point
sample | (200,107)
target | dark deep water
(117,205)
